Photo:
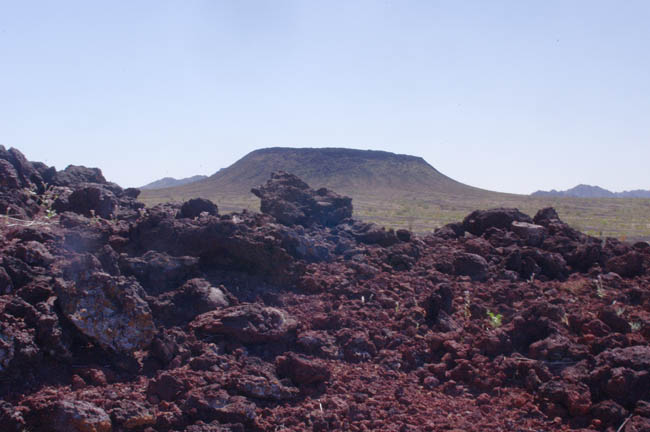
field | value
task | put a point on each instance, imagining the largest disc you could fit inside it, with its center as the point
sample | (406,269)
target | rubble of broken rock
(115,317)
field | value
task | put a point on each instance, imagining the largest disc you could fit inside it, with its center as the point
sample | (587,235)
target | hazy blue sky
(506,95)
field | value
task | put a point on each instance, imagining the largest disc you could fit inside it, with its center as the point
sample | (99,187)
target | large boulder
(74,175)
(292,202)
(109,310)
(93,200)
(545,216)
(531,234)
(8,175)
(194,207)
(79,416)
(159,272)
(302,370)
(628,265)
(472,265)
(214,403)
(25,171)
(195,297)
(371,233)
(479,221)
(249,323)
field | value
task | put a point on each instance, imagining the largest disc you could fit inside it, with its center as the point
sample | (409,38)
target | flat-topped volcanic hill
(350,171)
(379,182)
(396,190)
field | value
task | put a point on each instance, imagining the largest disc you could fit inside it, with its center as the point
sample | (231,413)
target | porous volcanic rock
(80,416)
(249,323)
(291,201)
(109,310)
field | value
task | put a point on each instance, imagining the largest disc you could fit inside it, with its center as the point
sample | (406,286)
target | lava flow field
(117,317)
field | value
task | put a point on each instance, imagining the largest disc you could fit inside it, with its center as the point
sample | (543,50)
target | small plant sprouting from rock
(600,287)
(495,320)
(635,326)
(467,305)
(565,320)
(47,200)
(531,279)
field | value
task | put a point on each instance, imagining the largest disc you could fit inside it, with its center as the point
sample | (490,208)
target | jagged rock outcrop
(292,202)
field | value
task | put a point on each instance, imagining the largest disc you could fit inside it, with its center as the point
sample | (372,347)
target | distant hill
(358,173)
(167,182)
(394,190)
(587,191)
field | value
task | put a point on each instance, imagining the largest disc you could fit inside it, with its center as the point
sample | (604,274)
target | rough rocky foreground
(115,317)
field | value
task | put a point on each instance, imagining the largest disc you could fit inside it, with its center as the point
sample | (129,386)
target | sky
(511,96)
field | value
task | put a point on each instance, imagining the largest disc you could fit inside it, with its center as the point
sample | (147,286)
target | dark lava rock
(92,201)
(75,174)
(609,412)
(79,416)
(531,234)
(250,323)
(131,415)
(262,387)
(10,418)
(8,175)
(545,216)
(214,403)
(26,174)
(439,301)
(109,310)
(302,370)
(159,272)
(472,265)
(480,220)
(194,207)
(195,297)
(370,233)
(628,265)
(292,202)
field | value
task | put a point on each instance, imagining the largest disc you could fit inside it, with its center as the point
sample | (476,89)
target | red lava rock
(166,387)
(247,323)
(110,310)
(213,403)
(151,322)
(628,265)
(472,265)
(77,382)
(79,416)
(132,415)
(302,370)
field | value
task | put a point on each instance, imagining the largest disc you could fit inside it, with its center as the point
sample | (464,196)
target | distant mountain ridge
(588,191)
(167,182)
